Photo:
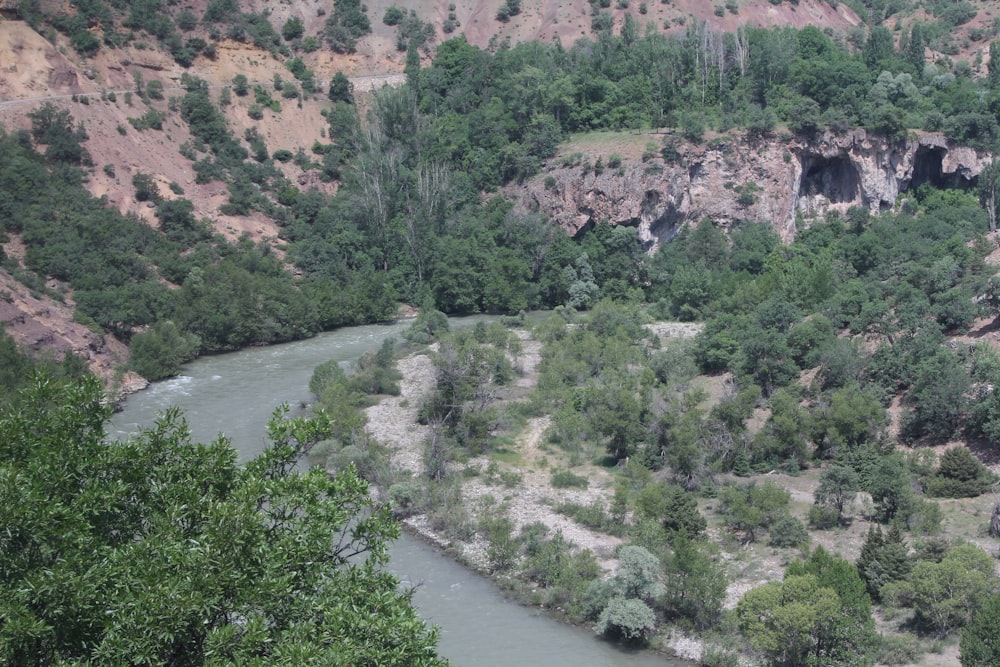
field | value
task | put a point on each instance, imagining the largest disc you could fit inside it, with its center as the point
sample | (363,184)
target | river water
(236,393)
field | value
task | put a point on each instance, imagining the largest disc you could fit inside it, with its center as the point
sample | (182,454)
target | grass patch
(506,455)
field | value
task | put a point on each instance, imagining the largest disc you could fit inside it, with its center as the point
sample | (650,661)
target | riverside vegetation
(803,376)
(859,358)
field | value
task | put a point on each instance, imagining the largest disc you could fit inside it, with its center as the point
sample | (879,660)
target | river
(236,393)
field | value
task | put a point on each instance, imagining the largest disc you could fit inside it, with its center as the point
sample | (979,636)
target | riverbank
(523,486)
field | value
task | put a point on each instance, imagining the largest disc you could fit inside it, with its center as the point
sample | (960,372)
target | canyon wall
(729,180)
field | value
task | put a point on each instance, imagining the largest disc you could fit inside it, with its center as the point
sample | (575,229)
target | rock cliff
(729,180)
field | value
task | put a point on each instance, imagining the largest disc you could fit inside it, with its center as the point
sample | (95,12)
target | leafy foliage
(788,621)
(948,595)
(979,647)
(166,550)
(753,506)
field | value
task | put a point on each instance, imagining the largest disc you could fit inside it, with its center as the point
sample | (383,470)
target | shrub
(959,475)
(788,531)
(159,352)
(240,85)
(822,517)
(903,649)
(949,594)
(502,546)
(393,16)
(151,119)
(672,506)
(596,598)
(979,645)
(405,499)
(145,187)
(562,479)
(629,619)
(594,516)
(751,506)
(292,29)
(448,513)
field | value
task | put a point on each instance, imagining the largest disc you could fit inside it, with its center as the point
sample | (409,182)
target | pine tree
(869,557)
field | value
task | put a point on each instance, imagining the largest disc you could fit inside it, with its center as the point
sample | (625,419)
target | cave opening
(927,168)
(664,228)
(835,179)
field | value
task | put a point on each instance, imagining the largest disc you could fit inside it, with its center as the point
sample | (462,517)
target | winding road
(366,83)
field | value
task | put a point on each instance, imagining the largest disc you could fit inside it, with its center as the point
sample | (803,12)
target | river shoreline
(393,421)
(445,547)
(233,395)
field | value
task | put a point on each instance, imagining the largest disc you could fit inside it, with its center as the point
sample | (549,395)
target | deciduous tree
(162,551)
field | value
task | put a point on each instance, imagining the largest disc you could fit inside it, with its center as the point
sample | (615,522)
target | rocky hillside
(725,178)
(730,179)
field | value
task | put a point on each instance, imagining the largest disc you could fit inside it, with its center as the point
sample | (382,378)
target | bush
(596,598)
(749,507)
(159,352)
(788,531)
(393,16)
(240,85)
(430,323)
(904,649)
(594,516)
(405,499)
(629,619)
(673,507)
(563,479)
(822,517)
(502,546)
(152,119)
(960,475)
(292,29)
(448,512)
(154,89)
(145,187)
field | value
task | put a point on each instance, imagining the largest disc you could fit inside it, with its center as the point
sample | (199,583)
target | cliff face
(730,180)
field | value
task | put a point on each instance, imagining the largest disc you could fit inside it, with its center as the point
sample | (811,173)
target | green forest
(861,312)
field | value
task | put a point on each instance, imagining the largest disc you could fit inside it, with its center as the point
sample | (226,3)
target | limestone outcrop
(729,180)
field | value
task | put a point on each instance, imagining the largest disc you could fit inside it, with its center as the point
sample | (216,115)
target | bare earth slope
(34,70)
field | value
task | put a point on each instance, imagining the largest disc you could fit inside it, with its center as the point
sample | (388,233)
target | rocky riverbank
(393,421)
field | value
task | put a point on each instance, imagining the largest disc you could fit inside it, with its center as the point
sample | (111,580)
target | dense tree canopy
(162,551)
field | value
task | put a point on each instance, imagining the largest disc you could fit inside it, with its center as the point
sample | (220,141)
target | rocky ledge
(730,179)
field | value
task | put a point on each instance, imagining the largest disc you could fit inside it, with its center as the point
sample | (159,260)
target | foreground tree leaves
(162,551)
